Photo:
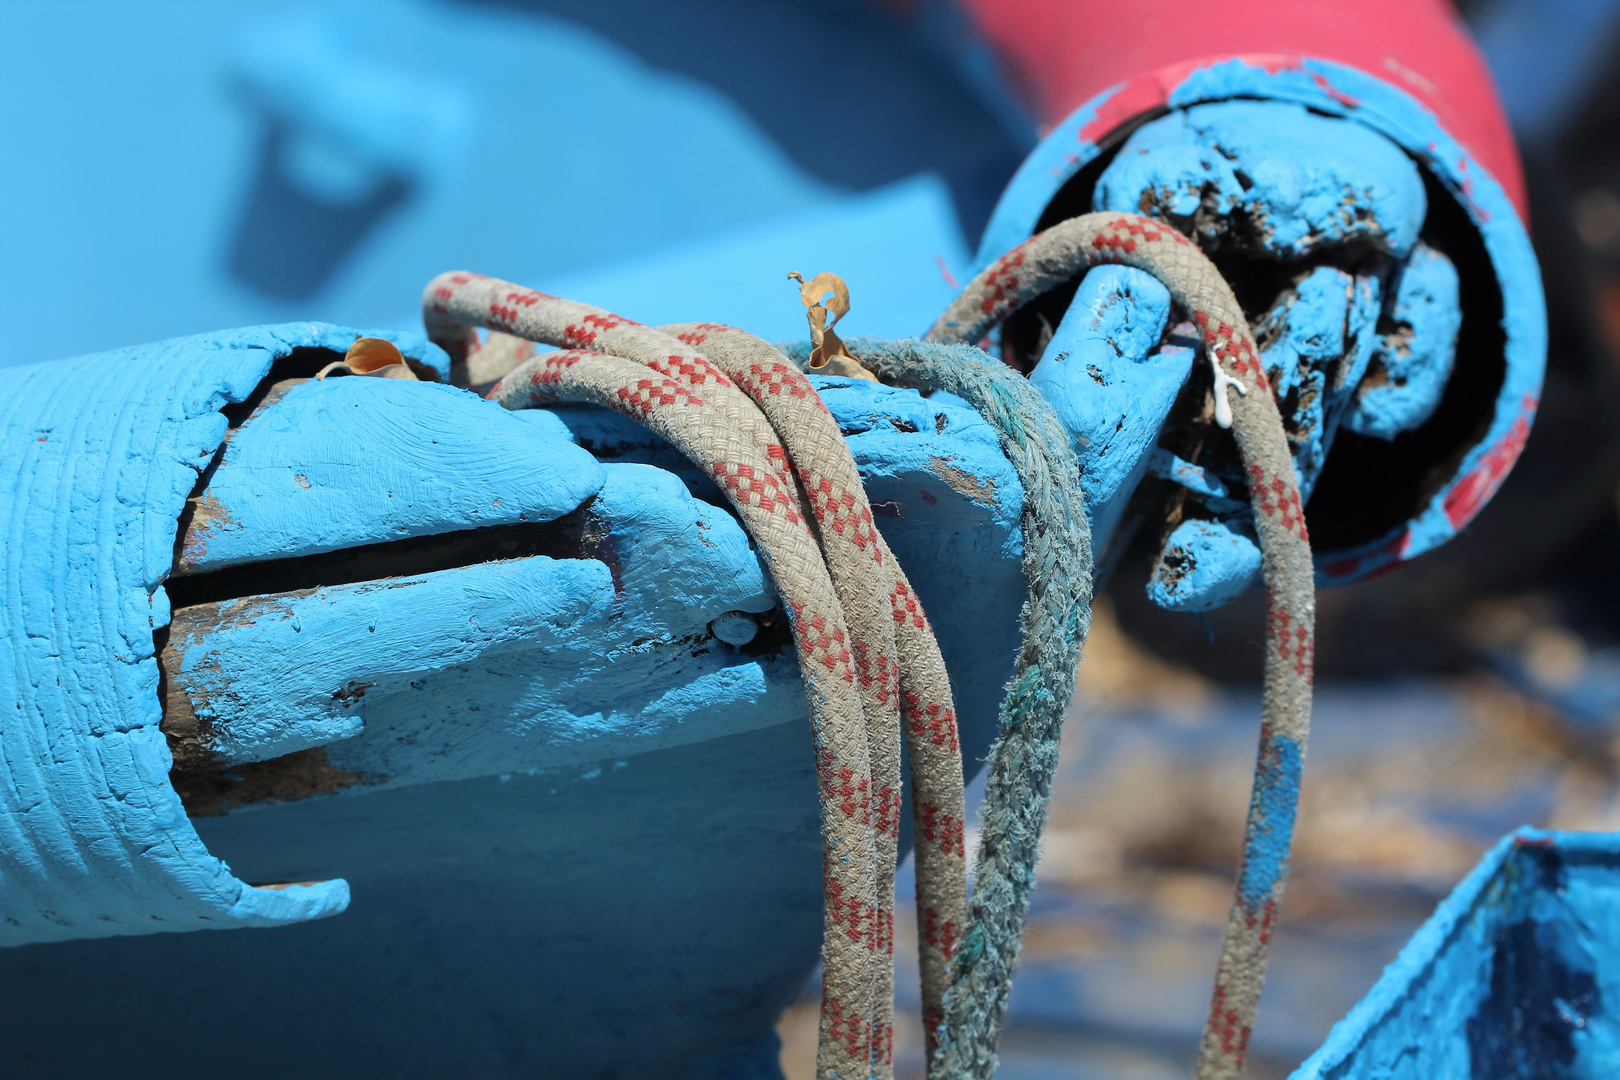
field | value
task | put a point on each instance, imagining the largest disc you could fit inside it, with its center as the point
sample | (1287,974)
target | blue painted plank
(1517,973)
(500,666)
(354,461)
(646,784)
(539,663)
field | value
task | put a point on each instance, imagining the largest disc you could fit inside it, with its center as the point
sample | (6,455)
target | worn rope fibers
(866,652)
(1055,619)
(977,999)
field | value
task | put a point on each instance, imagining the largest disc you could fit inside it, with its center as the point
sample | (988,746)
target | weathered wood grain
(325,465)
(599,644)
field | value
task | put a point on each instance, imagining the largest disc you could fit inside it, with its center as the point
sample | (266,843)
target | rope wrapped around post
(866,652)
(856,758)
(1054,621)
(922,692)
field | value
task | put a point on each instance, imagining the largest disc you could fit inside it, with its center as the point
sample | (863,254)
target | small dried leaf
(827,352)
(370,356)
(367,354)
(811,293)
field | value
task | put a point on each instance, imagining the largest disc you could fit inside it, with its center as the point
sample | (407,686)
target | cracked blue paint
(1336,90)
(1320,340)
(1297,180)
(1413,361)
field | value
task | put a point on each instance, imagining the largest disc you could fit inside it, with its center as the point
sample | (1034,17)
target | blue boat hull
(1517,974)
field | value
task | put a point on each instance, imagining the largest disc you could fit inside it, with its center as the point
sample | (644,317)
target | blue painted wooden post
(557,791)
(100,455)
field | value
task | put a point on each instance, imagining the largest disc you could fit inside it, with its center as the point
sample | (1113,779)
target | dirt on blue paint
(1319,340)
(1243,158)
(1204,565)
(1414,360)
(1331,90)
(1540,996)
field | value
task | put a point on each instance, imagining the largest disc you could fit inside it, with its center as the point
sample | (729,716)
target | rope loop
(743,412)
(871,667)
(1040,263)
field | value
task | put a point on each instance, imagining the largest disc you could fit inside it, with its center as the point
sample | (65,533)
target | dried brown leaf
(811,293)
(827,352)
(370,356)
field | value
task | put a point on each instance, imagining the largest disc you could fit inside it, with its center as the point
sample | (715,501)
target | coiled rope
(853,689)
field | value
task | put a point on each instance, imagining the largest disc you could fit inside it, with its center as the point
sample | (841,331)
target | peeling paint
(1340,91)
(299,775)
(980,490)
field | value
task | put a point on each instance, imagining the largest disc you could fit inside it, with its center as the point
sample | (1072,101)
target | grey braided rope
(1054,622)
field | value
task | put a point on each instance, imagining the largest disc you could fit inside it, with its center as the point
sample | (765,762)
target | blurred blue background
(173,167)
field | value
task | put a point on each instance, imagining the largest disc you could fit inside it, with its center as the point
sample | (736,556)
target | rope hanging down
(978,994)
(1054,621)
(866,652)
(704,414)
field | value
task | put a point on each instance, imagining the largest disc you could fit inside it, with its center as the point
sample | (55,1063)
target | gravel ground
(1407,783)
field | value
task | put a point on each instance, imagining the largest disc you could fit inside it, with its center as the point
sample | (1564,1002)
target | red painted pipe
(1062,53)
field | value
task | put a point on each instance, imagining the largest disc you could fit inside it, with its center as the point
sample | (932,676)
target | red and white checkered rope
(896,651)
(860,631)
(854,1020)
